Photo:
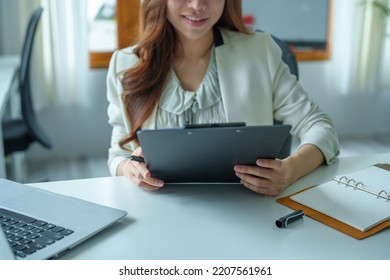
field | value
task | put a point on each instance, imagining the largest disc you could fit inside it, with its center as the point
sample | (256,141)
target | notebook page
(373,177)
(357,208)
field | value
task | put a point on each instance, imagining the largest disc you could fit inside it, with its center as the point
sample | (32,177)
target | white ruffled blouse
(178,107)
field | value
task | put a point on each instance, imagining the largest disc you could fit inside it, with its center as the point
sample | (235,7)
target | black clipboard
(208,153)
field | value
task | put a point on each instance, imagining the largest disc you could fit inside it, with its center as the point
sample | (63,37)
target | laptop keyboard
(27,235)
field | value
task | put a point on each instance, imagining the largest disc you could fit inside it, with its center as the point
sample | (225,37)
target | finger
(140,179)
(154,182)
(253,170)
(266,190)
(148,187)
(142,170)
(254,180)
(138,151)
(269,163)
(145,176)
(141,176)
(147,183)
(258,189)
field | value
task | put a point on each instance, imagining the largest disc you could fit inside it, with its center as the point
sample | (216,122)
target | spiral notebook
(357,204)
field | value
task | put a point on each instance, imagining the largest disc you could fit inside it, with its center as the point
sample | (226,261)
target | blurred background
(342,47)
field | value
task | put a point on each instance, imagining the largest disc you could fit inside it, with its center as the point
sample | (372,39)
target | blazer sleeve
(117,116)
(292,105)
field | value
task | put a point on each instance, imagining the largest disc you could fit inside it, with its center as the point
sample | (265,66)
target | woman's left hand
(272,176)
(269,176)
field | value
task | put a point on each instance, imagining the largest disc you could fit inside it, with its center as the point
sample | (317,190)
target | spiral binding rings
(340,179)
(349,184)
(360,186)
(359,183)
(385,195)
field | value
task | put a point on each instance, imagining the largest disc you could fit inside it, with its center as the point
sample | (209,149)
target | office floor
(67,169)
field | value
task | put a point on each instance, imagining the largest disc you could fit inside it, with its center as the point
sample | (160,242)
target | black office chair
(20,133)
(289,58)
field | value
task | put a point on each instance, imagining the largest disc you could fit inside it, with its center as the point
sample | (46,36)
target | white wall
(12,25)
(352,114)
(78,131)
(327,82)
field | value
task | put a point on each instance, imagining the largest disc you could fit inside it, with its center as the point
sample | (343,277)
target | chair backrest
(28,46)
(289,58)
(28,114)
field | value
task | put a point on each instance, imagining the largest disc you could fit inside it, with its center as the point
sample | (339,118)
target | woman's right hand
(139,174)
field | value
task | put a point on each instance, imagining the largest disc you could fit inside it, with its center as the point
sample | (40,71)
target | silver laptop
(6,253)
(37,224)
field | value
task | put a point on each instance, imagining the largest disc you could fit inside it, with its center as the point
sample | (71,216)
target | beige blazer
(256,87)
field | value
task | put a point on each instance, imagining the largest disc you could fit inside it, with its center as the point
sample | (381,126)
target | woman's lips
(195,21)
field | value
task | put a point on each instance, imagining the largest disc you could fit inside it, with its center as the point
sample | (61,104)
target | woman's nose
(198,5)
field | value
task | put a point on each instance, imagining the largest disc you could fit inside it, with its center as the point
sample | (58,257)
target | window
(112,25)
(102,27)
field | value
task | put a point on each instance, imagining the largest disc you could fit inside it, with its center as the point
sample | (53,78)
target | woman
(195,62)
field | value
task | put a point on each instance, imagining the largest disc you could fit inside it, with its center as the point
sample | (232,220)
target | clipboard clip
(209,125)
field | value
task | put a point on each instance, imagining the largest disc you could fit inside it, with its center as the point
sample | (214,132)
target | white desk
(8,66)
(216,222)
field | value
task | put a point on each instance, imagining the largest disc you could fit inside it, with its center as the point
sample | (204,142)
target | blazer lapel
(239,80)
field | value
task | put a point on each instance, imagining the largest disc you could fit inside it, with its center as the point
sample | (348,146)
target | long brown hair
(156,45)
